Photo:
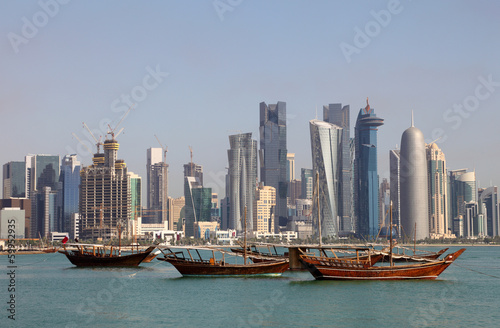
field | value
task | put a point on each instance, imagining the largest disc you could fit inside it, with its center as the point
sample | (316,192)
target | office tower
(198,204)
(340,116)
(175,206)
(365,187)
(272,154)
(215,211)
(105,195)
(194,170)
(414,184)
(395,188)
(44,212)
(384,197)
(263,212)
(69,190)
(306,178)
(242,158)
(44,172)
(290,166)
(157,188)
(463,191)
(326,146)
(488,199)
(14,180)
(226,223)
(438,192)
(295,189)
(135,195)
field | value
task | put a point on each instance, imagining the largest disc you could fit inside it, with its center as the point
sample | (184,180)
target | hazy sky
(197,71)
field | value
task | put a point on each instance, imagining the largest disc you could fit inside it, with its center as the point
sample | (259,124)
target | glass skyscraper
(242,158)
(69,192)
(157,187)
(326,146)
(273,152)
(365,172)
(340,116)
(198,204)
(14,180)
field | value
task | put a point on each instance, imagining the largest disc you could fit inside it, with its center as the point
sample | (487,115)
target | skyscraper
(272,154)
(365,172)
(105,195)
(488,198)
(290,167)
(306,180)
(340,116)
(70,189)
(157,188)
(326,146)
(14,180)
(263,211)
(198,204)
(438,192)
(464,191)
(395,187)
(242,158)
(44,172)
(414,184)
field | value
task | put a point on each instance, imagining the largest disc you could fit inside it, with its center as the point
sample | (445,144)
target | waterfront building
(175,206)
(384,197)
(414,185)
(439,223)
(340,116)
(242,158)
(105,195)
(488,199)
(12,220)
(326,149)
(264,207)
(365,173)
(273,151)
(69,191)
(23,204)
(14,180)
(157,187)
(44,212)
(463,191)
(44,172)
(395,187)
(206,230)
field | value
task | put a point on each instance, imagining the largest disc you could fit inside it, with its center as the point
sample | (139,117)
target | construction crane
(97,142)
(112,131)
(84,145)
(165,150)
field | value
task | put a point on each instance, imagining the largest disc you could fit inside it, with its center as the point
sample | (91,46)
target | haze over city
(197,73)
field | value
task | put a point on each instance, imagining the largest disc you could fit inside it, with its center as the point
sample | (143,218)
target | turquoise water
(50,292)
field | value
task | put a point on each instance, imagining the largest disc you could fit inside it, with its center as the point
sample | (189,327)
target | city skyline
(67,72)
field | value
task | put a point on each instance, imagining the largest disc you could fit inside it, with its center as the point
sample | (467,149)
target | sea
(51,292)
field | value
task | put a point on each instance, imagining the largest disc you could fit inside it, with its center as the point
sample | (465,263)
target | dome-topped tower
(414,181)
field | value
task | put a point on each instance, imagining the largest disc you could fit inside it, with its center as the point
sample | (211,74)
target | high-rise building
(215,212)
(414,184)
(194,170)
(455,216)
(44,212)
(488,198)
(384,197)
(306,178)
(395,187)
(263,212)
(366,184)
(439,223)
(326,146)
(175,206)
(295,189)
(464,191)
(157,189)
(14,180)
(273,151)
(105,195)
(198,204)
(340,116)
(44,172)
(242,158)
(69,191)
(290,167)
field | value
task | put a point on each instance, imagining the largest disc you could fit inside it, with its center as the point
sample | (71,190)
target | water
(50,292)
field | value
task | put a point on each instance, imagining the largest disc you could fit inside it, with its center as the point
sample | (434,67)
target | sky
(196,72)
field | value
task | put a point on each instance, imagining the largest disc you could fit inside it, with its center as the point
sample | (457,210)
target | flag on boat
(65,239)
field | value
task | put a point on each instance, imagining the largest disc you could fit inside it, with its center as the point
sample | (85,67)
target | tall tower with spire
(366,184)
(414,184)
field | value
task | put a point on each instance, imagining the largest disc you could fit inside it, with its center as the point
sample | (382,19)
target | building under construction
(105,195)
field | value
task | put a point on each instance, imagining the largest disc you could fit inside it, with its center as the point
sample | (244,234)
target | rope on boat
(132,275)
(45,259)
(486,274)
